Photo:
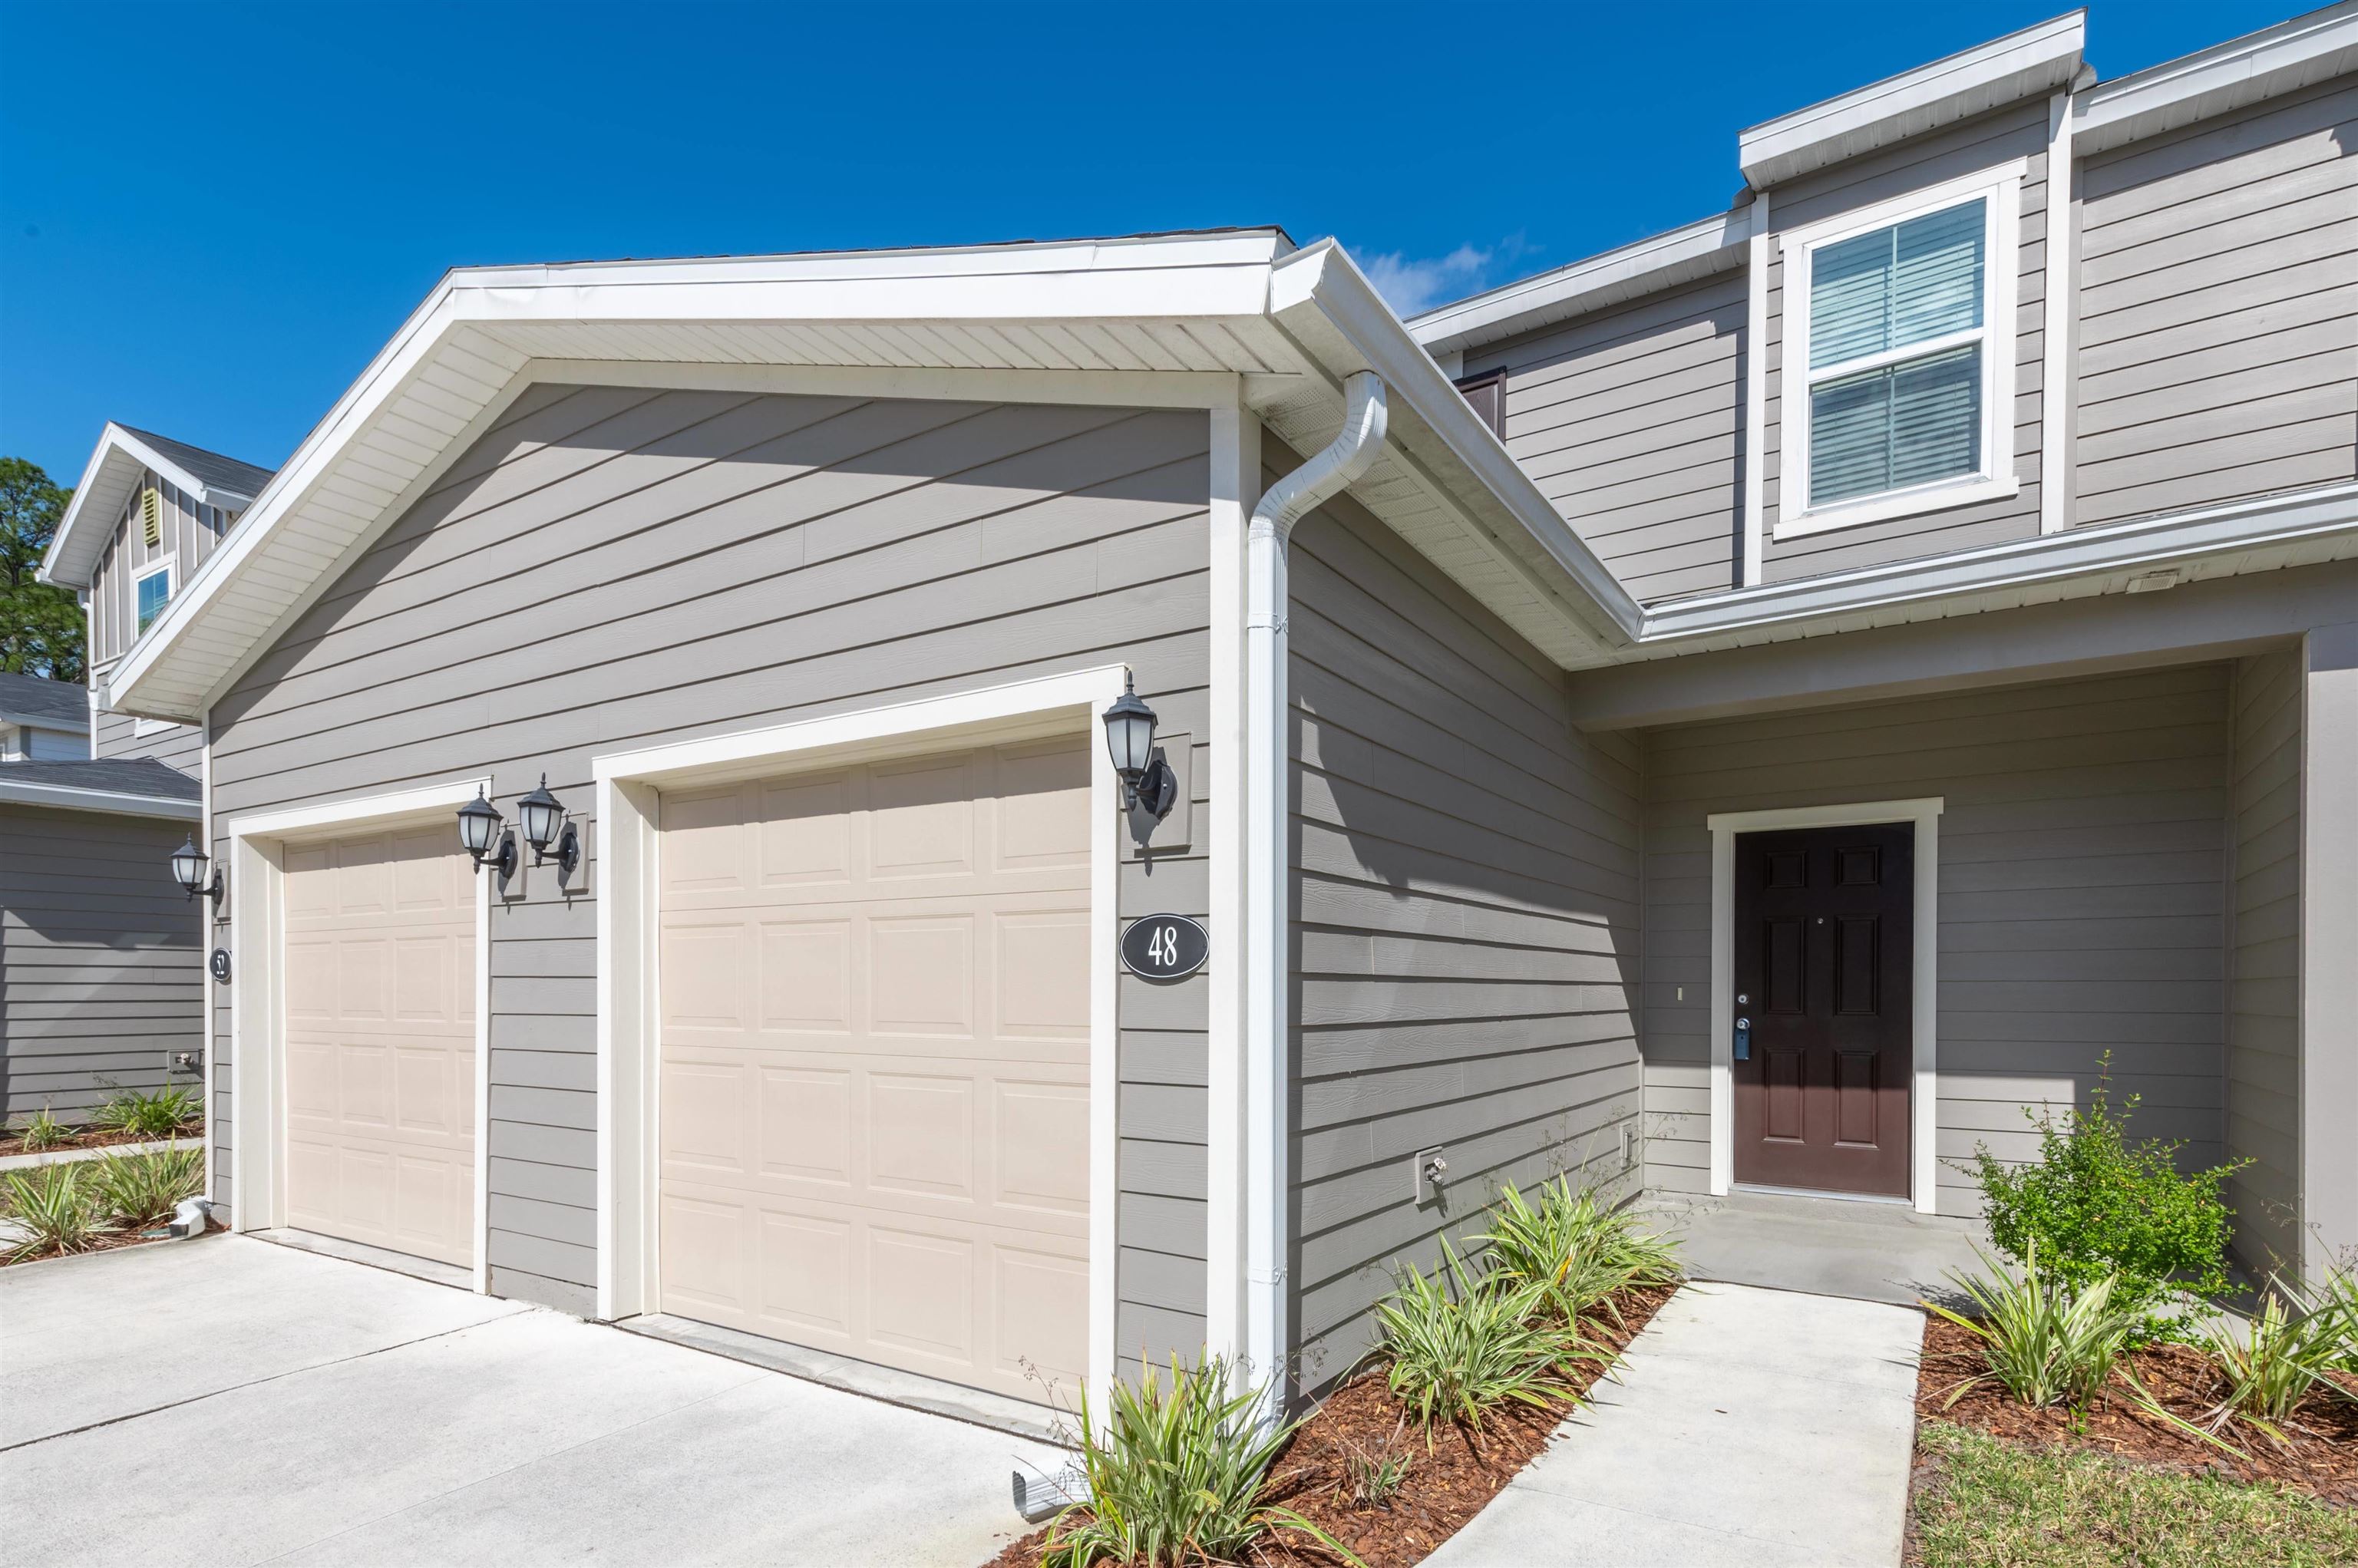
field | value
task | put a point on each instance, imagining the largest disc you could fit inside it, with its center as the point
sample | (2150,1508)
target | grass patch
(1985,1503)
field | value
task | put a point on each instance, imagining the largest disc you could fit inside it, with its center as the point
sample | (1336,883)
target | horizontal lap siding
(2264,989)
(2219,310)
(101,975)
(181,746)
(1997,137)
(1465,924)
(1631,423)
(2080,895)
(612,568)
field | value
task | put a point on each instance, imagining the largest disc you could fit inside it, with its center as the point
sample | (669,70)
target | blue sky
(211,216)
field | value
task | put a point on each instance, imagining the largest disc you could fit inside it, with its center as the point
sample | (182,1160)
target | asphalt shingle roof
(125,775)
(38,697)
(213,468)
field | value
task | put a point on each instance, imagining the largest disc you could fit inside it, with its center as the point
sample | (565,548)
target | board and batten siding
(184,541)
(2081,880)
(1631,422)
(609,569)
(2264,960)
(1466,922)
(1970,148)
(2218,309)
(181,746)
(102,970)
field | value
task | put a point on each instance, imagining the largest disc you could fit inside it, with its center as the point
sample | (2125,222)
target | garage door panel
(379,1064)
(899,1092)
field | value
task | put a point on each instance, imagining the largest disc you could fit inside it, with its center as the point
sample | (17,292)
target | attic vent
(151,516)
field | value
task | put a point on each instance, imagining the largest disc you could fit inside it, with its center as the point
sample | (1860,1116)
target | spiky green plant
(144,1188)
(2045,1341)
(1463,1342)
(42,1132)
(2292,1344)
(1176,1474)
(1575,1248)
(52,1204)
(161,1114)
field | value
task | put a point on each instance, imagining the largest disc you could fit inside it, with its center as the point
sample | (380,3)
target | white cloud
(1413,287)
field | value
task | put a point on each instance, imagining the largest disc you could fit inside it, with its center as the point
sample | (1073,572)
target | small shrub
(158,1115)
(1575,1248)
(53,1204)
(2096,1205)
(144,1189)
(2045,1340)
(1175,1476)
(1372,1480)
(43,1131)
(2283,1353)
(1463,1343)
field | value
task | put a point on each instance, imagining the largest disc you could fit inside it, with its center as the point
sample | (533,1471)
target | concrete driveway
(229,1400)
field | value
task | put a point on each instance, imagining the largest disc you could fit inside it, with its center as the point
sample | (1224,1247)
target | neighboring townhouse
(100,969)
(101,958)
(1661,755)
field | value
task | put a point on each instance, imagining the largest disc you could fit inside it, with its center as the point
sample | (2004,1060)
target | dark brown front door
(1825,971)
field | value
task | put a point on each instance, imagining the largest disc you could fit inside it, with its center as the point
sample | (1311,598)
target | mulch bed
(1443,1491)
(91,1138)
(2322,1460)
(111,1241)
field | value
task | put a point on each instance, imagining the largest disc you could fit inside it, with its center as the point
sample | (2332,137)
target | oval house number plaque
(1165,947)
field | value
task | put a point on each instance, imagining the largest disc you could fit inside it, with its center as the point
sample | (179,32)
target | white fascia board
(120,803)
(106,480)
(2283,58)
(1659,261)
(1209,277)
(2025,64)
(2292,517)
(1324,277)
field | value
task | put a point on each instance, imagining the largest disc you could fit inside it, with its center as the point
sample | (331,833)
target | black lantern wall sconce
(547,827)
(189,864)
(1148,784)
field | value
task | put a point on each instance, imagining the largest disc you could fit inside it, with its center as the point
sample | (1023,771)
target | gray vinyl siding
(2219,310)
(1977,145)
(101,971)
(1466,922)
(611,569)
(2263,958)
(181,746)
(1631,422)
(2081,883)
(185,541)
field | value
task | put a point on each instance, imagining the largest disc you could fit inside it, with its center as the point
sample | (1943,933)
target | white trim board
(1924,815)
(629,814)
(257,897)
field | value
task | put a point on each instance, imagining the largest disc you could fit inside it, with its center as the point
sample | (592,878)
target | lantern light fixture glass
(545,822)
(482,837)
(1147,782)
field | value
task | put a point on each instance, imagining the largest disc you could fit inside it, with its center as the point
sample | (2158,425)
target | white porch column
(2328,942)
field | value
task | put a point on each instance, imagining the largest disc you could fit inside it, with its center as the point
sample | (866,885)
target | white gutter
(1267,806)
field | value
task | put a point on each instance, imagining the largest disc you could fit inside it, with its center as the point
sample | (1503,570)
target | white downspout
(1268,809)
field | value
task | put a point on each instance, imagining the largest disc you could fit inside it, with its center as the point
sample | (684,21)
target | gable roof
(43,703)
(121,455)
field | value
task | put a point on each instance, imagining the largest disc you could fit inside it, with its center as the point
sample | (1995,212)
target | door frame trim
(629,815)
(1923,1088)
(257,890)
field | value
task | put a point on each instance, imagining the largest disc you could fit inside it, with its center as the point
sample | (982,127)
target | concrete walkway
(1827,1246)
(1749,1427)
(229,1402)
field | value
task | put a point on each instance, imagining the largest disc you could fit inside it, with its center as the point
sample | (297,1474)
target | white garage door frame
(630,786)
(257,890)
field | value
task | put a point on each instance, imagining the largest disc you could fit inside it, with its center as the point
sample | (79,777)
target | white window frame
(167,567)
(2000,192)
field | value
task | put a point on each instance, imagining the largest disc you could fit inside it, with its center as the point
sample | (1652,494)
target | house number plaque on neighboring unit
(219,964)
(1165,947)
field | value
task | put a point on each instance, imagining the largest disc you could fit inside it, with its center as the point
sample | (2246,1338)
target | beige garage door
(875,1062)
(381,1041)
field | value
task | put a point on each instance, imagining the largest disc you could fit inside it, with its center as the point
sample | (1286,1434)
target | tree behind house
(40,627)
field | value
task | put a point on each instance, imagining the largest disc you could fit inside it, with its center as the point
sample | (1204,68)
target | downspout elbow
(1366,411)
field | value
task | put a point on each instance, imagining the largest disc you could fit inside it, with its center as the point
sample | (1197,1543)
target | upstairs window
(1486,392)
(1898,359)
(154,591)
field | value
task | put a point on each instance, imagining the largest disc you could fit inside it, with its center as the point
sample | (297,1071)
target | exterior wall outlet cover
(1429,1172)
